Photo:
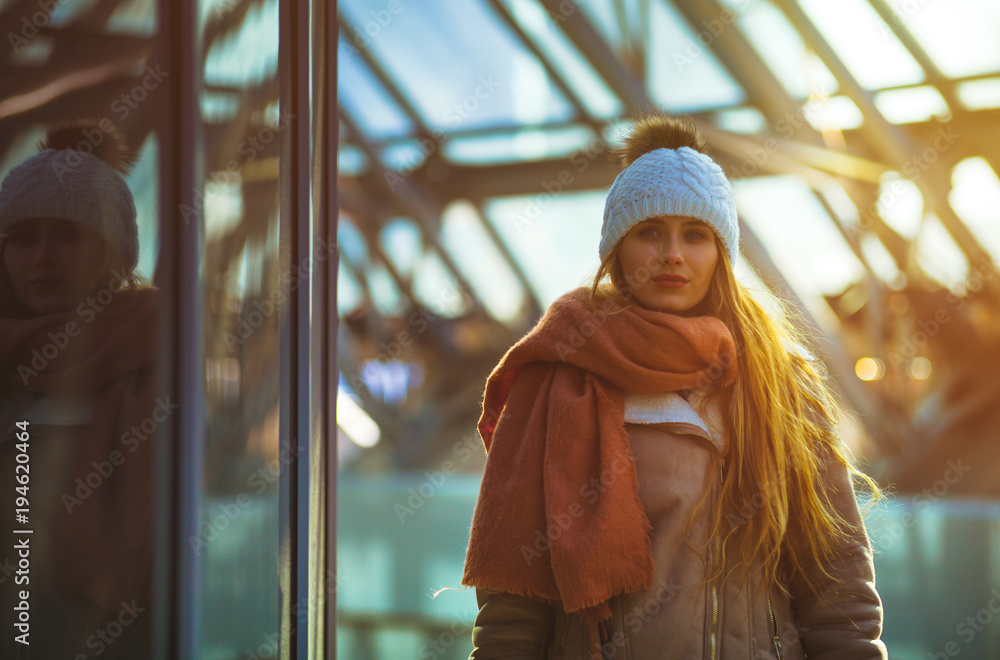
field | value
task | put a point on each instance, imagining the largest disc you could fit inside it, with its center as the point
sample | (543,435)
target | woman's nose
(670,250)
(43,252)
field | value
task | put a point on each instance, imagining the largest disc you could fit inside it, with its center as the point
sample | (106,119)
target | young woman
(77,395)
(664,478)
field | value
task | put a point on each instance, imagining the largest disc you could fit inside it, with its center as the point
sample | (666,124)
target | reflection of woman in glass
(78,383)
(664,477)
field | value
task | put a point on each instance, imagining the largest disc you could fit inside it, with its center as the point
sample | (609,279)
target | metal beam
(893,141)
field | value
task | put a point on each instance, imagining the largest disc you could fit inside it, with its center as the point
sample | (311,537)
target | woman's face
(53,264)
(669,245)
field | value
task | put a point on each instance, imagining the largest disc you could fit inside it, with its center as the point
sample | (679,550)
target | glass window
(579,75)
(79,329)
(783,50)
(913,104)
(472,74)
(244,289)
(959,36)
(681,73)
(554,239)
(860,38)
(799,234)
(975,198)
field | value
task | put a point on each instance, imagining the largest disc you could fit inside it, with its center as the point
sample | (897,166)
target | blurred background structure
(227,103)
(863,139)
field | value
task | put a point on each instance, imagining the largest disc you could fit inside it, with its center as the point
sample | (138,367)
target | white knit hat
(665,181)
(73,185)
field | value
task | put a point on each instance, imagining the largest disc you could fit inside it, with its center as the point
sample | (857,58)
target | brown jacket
(674,617)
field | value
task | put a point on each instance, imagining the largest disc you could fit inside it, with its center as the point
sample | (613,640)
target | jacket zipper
(774,622)
(715,592)
(562,638)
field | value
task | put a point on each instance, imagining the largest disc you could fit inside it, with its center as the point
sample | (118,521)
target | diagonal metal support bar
(587,40)
(898,148)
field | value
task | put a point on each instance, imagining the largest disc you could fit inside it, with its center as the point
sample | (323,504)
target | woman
(664,478)
(77,348)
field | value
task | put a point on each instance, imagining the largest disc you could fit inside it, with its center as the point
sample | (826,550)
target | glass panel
(590,88)
(960,36)
(682,74)
(980,94)
(81,407)
(402,240)
(472,249)
(522,145)
(350,297)
(901,205)
(368,103)
(939,256)
(976,198)
(903,106)
(781,47)
(435,287)
(798,233)
(384,292)
(604,18)
(456,64)
(879,259)
(860,37)
(238,534)
(554,240)
(836,112)
(742,120)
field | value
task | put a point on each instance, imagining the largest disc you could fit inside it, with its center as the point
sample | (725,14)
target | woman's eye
(697,234)
(68,234)
(21,238)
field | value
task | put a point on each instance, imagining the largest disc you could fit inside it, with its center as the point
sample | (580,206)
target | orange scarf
(105,544)
(558,517)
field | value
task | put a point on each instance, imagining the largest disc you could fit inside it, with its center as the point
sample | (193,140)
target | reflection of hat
(75,179)
(671,182)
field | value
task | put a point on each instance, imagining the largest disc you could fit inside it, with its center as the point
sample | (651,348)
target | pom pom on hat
(78,175)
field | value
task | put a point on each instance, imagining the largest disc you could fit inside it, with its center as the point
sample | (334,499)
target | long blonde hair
(780,416)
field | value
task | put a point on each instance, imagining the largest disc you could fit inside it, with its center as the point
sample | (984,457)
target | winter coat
(677,617)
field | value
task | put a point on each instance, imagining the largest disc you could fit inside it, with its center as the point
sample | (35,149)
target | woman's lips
(669,284)
(47,283)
